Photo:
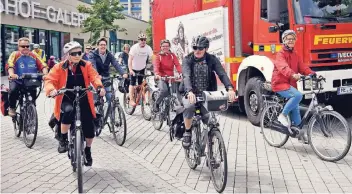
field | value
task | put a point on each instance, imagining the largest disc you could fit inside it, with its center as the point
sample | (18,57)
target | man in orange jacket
(164,66)
(70,73)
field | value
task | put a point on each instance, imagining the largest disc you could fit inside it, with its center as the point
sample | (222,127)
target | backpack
(4,102)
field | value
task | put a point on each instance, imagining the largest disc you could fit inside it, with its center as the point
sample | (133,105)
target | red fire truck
(251,36)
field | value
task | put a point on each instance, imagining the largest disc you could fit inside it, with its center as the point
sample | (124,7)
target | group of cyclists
(198,71)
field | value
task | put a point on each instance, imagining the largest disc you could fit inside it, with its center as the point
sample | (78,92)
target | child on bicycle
(287,69)
(70,73)
(164,64)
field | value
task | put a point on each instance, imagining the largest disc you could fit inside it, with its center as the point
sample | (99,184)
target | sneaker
(12,112)
(89,159)
(284,120)
(186,142)
(63,146)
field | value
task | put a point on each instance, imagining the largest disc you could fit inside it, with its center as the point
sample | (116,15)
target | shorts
(137,79)
(190,109)
(67,117)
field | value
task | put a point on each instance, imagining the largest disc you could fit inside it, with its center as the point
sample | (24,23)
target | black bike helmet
(123,85)
(200,41)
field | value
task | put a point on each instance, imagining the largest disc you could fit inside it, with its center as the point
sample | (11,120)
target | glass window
(12,34)
(118,45)
(323,11)
(55,44)
(29,33)
(42,39)
(65,38)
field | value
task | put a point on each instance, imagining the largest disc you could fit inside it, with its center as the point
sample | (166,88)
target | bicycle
(204,138)
(27,119)
(115,112)
(142,95)
(76,139)
(314,117)
(167,105)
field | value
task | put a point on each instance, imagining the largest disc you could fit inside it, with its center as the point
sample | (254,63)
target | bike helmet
(200,41)
(142,35)
(164,41)
(71,45)
(123,85)
(286,33)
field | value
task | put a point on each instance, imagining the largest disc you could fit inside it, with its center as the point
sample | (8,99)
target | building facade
(140,9)
(52,24)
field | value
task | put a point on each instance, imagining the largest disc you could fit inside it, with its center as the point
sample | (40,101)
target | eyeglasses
(24,46)
(143,39)
(79,53)
(198,48)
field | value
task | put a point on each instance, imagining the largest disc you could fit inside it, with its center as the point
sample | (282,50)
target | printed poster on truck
(210,23)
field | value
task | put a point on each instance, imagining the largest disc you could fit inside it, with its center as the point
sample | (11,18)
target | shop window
(12,34)
(29,33)
(55,44)
(42,39)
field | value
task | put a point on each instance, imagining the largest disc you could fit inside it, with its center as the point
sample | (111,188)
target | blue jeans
(292,106)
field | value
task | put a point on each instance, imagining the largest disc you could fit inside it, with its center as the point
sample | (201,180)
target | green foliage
(149,33)
(102,15)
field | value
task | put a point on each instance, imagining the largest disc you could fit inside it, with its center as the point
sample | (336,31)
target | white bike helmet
(71,45)
(286,33)
(142,35)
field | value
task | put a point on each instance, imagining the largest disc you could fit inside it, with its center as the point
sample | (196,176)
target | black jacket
(103,68)
(214,66)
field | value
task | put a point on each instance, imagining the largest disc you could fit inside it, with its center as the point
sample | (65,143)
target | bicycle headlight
(78,123)
(307,84)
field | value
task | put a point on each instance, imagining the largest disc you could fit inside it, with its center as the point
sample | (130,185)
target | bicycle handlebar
(75,90)
(312,77)
(30,76)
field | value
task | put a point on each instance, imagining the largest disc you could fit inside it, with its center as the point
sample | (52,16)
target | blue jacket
(104,68)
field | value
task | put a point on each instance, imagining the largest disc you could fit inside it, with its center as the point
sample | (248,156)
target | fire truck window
(284,20)
(264,9)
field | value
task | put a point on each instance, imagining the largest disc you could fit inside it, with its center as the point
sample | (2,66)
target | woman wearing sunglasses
(70,73)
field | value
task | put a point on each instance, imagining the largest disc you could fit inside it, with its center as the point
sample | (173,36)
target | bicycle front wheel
(118,125)
(146,105)
(79,160)
(30,125)
(274,137)
(332,128)
(126,104)
(217,160)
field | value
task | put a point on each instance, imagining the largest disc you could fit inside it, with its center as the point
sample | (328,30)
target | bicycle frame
(169,100)
(113,99)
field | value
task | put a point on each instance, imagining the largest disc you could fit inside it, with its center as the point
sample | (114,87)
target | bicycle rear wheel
(79,160)
(118,125)
(330,124)
(126,104)
(217,162)
(30,125)
(273,137)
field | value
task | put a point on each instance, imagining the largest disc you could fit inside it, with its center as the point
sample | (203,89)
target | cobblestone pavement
(149,162)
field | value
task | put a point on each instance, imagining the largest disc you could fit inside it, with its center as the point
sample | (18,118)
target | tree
(149,33)
(102,15)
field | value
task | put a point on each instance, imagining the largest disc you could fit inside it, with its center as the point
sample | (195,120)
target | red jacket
(164,64)
(286,65)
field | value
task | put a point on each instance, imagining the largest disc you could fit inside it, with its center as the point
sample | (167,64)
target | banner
(210,23)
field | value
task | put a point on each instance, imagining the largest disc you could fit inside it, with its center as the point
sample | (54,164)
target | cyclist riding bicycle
(198,75)
(164,66)
(70,73)
(137,62)
(287,69)
(101,59)
(22,61)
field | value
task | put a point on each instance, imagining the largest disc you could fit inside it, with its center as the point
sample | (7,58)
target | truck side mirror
(273,29)
(273,10)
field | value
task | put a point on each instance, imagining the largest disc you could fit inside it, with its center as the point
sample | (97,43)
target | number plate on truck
(344,90)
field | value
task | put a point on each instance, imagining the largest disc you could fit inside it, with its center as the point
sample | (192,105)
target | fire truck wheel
(253,101)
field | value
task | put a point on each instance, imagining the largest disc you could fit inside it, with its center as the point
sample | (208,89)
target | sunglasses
(143,39)
(79,53)
(198,48)
(24,46)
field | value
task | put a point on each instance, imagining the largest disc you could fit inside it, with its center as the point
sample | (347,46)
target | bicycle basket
(215,101)
(32,83)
